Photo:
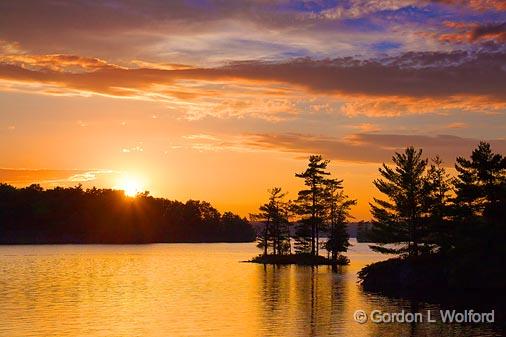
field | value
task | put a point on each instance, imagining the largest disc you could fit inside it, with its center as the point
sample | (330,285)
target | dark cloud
(112,27)
(494,31)
(423,74)
(480,5)
(374,148)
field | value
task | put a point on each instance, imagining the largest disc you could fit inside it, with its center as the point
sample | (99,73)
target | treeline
(447,231)
(33,215)
(321,209)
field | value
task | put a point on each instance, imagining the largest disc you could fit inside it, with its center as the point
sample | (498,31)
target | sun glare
(130,185)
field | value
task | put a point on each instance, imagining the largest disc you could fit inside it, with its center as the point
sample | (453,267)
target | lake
(191,290)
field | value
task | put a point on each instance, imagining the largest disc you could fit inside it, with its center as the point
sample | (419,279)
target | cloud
(213,143)
(458,78)
(10,48)
(366,127)
(370,147)
(457,125)
(48,177)
(360,8)
(56,62)
(201,136)
(134,149)
(398,106)
(492,31)
(474,33)
(213,32)
(183,30)
(479,5)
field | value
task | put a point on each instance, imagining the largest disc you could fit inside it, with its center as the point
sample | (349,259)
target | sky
(222,100)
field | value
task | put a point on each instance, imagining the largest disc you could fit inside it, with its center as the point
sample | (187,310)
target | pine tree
(274,215)
(481,184)
(439,225)
(398,220)
(337,205)
(280,233)
(310,204)
(302,237)
(480,216)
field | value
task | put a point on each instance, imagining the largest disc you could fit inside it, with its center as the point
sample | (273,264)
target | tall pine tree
(398,219)
(310,204)
(439,225)
(480,216)
(481,184)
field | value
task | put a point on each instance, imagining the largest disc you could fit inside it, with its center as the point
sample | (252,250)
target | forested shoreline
(33,215)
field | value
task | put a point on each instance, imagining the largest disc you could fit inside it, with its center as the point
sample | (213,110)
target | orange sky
(215,101)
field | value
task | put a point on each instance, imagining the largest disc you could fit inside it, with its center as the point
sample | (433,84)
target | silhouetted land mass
(33,215)
(449,234)
(361,231)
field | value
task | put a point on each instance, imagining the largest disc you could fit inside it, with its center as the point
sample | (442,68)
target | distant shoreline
(73,215)
(112,243)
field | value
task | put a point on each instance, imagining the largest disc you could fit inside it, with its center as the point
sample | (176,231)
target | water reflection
(316,301)
(189,290)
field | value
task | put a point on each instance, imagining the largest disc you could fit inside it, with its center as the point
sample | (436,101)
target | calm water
(188,290)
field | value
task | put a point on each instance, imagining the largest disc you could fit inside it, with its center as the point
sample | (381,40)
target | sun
(130,185)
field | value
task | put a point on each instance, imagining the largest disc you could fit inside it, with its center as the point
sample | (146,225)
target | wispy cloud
(214,32)
(457,125)
(48,177)
(369,147)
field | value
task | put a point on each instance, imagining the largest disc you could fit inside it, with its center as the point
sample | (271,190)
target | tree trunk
(317,239)
(266,236)
(313,237)
(274,240)
(413,251)
(313,221)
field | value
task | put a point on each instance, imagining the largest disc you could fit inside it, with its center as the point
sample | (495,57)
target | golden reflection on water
(186,290)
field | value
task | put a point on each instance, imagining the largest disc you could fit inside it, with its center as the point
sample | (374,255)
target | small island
(321,208)
(300,259)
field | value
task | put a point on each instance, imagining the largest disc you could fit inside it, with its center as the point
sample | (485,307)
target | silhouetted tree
(274,216)
(480,217)
(310,204)
(439,226)
(469,229)
(337,211)
(397,220)
(233,228)
(481,184)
